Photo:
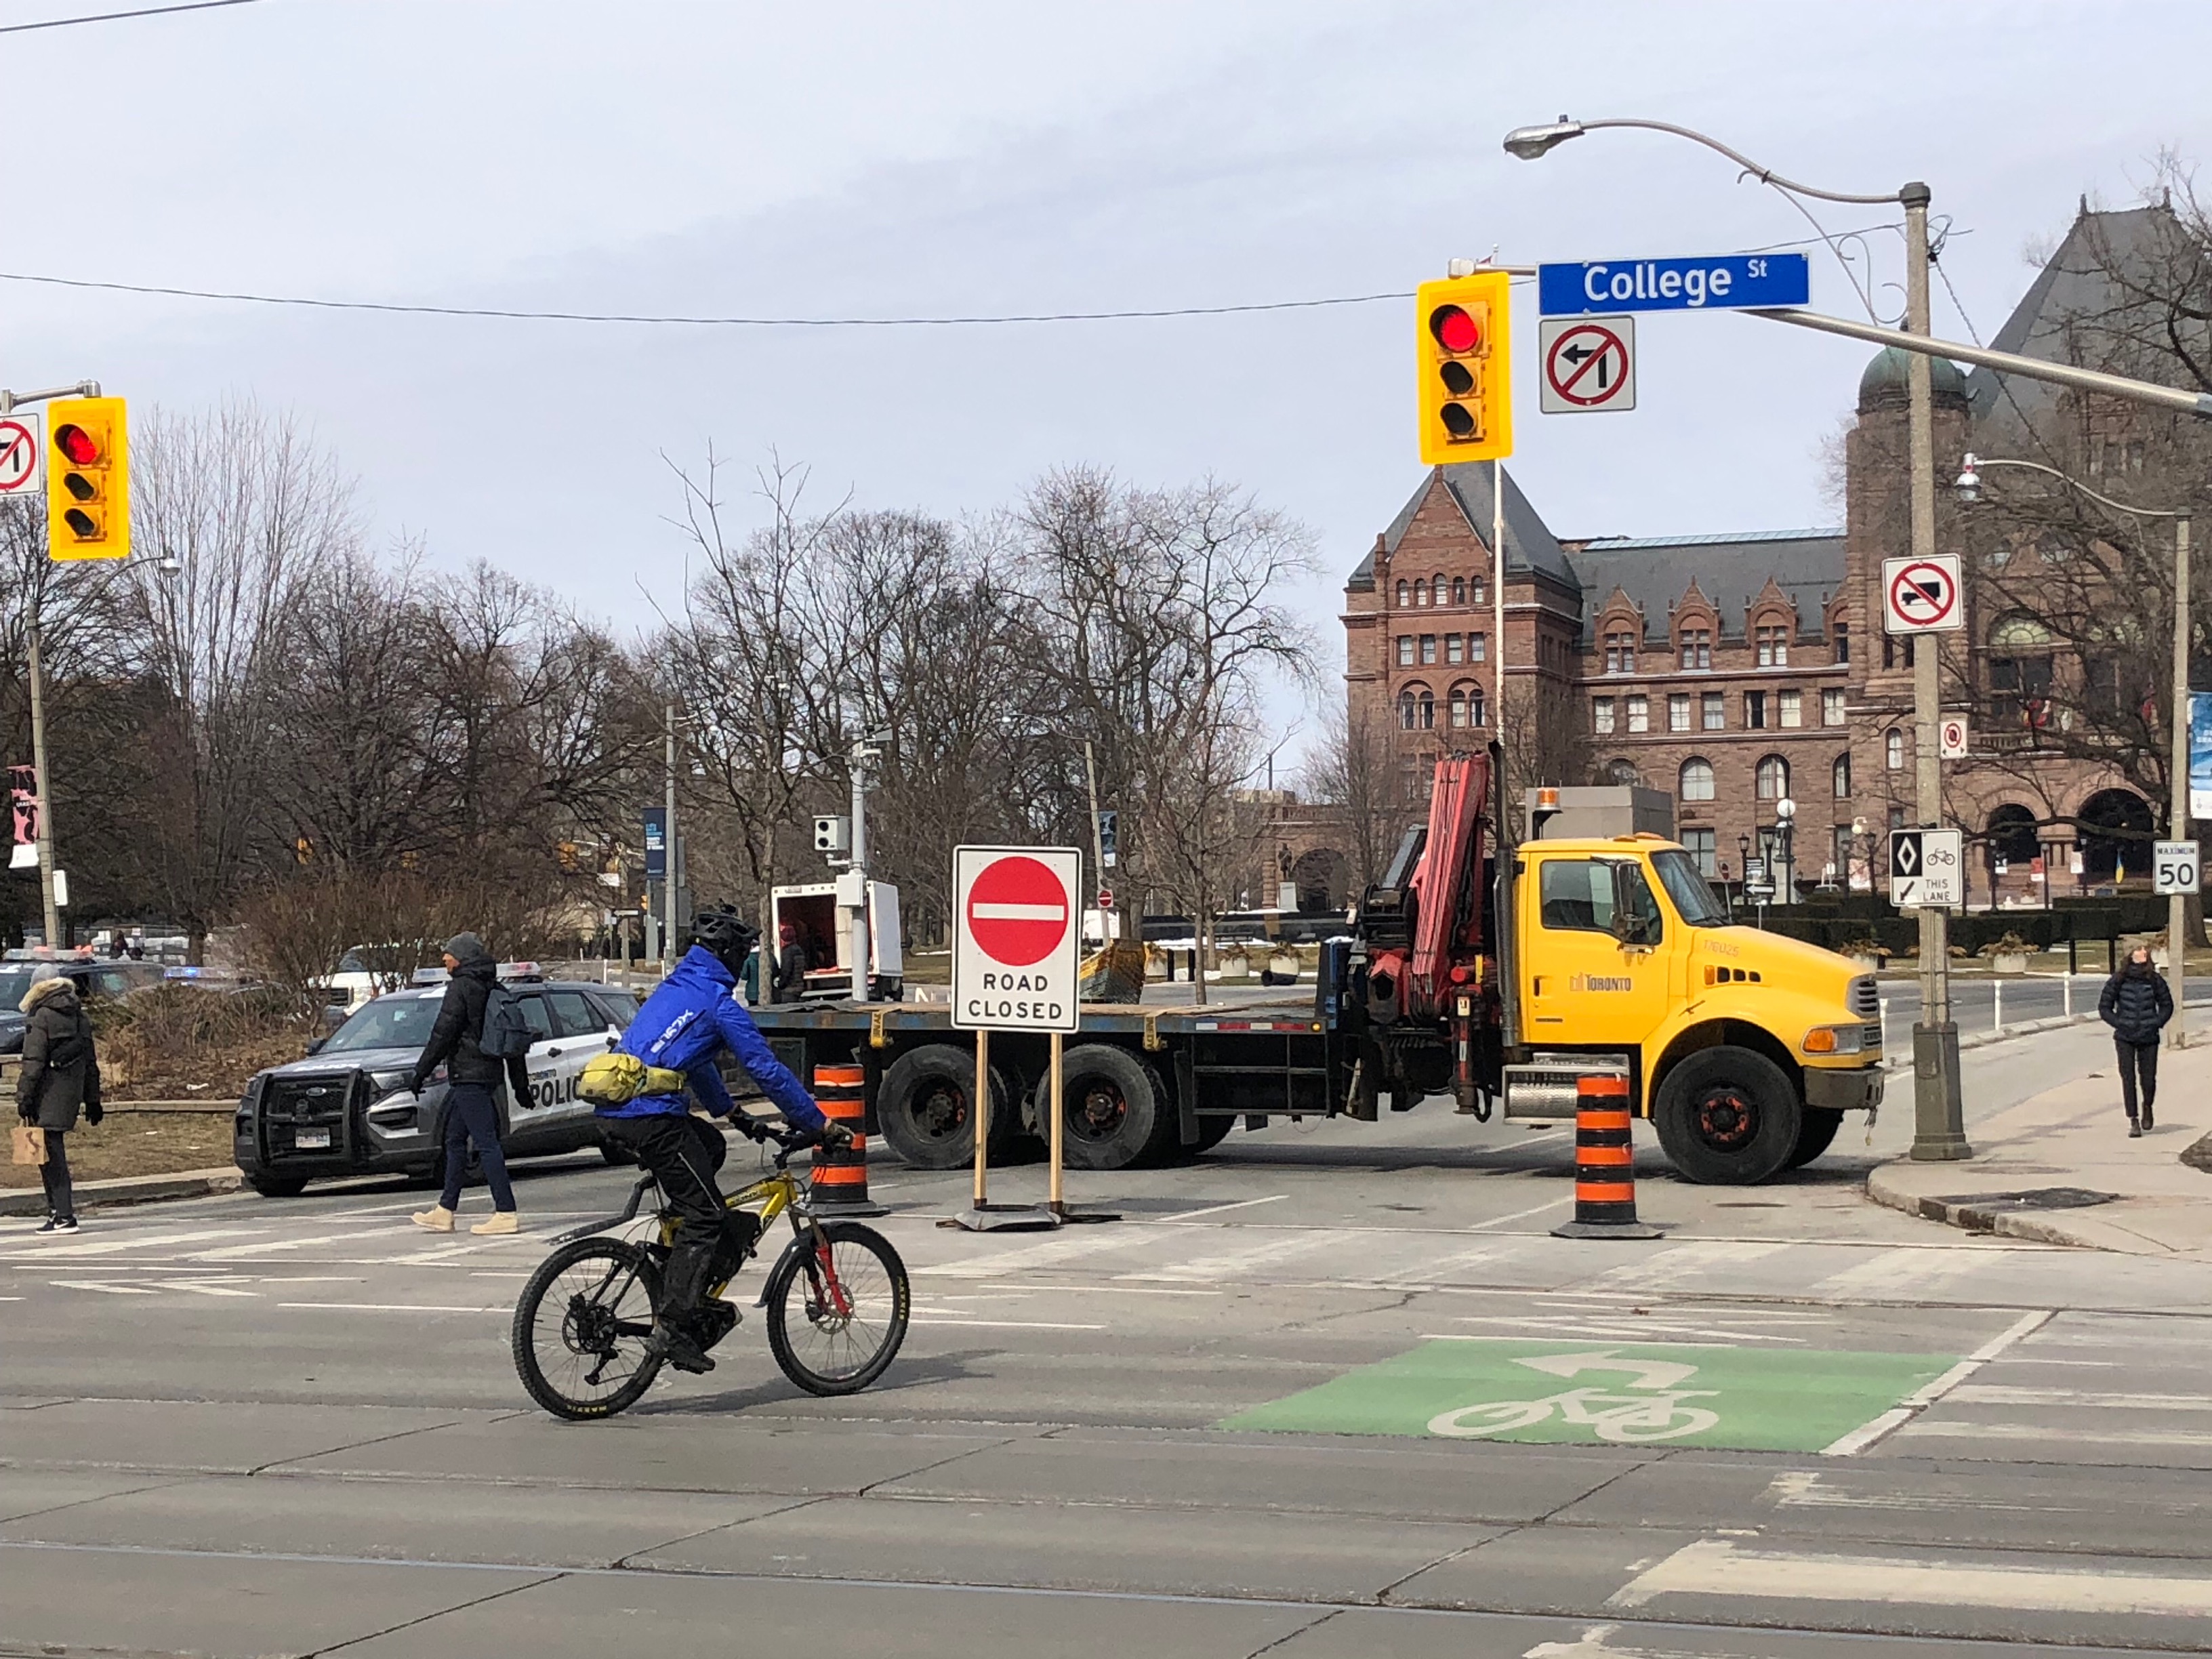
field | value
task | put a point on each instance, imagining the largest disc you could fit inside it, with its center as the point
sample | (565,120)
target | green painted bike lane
(1553,1392)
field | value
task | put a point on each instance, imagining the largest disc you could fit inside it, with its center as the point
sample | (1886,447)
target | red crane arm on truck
(1448,918)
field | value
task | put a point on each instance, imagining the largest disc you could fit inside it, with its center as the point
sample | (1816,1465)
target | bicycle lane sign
(1545,1391)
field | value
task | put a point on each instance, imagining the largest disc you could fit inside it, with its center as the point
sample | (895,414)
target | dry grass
(138,1144)
(179,1042)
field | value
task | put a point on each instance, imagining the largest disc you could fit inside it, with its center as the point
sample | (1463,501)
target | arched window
(1623,771)
(1772,778)
(1478,590)
(1438,585)
(1839,777)
(1466,705)
(1459,590)
(1697,780)
(1892,750)
(1404,596)
(1405,711)
(1424,709)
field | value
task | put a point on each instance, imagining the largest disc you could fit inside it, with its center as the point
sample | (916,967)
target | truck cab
(1746,1049)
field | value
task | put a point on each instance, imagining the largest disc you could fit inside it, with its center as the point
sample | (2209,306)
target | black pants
(683,1154)
(2137,1060)
(61,1198)
(472,1115)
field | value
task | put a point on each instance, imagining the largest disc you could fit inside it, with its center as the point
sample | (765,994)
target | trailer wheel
(924,1107)
(1114,1107)
(1728,1117)
(1815,1134)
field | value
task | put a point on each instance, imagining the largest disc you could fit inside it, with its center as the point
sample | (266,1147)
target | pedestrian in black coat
(2137,1003)
(471,1115)
(60,1077)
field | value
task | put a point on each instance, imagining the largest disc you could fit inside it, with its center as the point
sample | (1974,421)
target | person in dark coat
(790,963)
(471,1115)
(60,1075)
(2137,1003)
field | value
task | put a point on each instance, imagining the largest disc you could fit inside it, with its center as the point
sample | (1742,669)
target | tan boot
(437,1220)
(499,1221)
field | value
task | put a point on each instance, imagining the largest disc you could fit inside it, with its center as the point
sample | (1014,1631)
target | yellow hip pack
(612,1079)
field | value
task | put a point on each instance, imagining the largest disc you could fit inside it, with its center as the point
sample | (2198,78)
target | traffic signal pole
(45,790)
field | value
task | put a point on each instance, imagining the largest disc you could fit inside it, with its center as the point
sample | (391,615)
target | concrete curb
(1984,1039)
(128,1189)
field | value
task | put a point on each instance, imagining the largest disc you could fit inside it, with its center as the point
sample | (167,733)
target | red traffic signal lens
(1457,421)
(74,441)
(81,523)
(1454,329)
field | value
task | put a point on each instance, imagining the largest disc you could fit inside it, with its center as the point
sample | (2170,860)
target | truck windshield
(1687,889)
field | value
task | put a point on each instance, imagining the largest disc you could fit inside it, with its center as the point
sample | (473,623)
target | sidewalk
(2061,1169)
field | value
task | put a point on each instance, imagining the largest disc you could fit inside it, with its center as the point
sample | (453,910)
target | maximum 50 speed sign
(2174,868)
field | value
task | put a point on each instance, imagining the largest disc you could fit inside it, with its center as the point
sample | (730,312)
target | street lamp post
(1969,489)
(1938,1129)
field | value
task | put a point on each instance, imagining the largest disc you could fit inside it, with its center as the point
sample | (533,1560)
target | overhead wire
(119,16)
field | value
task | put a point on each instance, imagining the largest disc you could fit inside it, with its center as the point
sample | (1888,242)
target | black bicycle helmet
(725,934)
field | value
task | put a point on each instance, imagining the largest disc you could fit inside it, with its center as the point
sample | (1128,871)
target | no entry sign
(1017,952)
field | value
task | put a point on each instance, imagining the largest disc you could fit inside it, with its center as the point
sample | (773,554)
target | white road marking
(1666,1267)
(1926,1431)
(390,1307)
(1078,1244)
(1234,1264)
(934,1321)
(1720,1567)
(1594,1646)
(1808,1489)
(1899,1274)
(1217,1209)
(144,1241)
(1624,1330)
(1912,1405)
(1093,1290)
(201,1288)
(100,1285)
(244,1252)
(1998,1394)
(1523,1215)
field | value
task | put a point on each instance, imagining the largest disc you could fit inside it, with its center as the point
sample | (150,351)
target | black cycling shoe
(676,1347)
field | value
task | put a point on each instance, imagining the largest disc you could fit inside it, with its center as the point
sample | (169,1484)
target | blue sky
(907,159)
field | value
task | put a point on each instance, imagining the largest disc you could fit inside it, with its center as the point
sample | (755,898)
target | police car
(346,1109)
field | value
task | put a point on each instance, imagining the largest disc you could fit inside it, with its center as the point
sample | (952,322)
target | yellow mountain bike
(837,1299)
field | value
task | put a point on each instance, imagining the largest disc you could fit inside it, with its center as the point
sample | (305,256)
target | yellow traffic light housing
(88,479)
(1463,347)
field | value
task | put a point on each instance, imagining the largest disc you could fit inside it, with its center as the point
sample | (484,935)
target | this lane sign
(1921,596)
(22,455)
(1589,364)
(2174,866)
(1704,282)
(1951,737)
(1015,946)
(1927,868)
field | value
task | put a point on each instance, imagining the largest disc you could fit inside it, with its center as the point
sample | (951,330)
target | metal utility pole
(2177,905)
(1498,630)
(856,872)
(1939,1131)
(45,789)
(669,873)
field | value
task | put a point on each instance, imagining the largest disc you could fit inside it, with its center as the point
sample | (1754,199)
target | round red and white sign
(19,457)
(1923,594)
(1017,911)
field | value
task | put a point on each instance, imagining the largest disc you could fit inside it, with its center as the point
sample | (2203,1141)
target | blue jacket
(693,1017)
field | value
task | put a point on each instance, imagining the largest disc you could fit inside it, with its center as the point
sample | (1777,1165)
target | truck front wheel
(924,1107)
(1115,1107)
(1814,1135)
(1728,1117)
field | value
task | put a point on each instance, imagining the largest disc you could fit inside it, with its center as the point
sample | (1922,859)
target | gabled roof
(1529,541)
(1730,569)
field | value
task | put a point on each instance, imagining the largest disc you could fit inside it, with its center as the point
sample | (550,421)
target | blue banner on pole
(1710,281)
(656,842)
(2200,754)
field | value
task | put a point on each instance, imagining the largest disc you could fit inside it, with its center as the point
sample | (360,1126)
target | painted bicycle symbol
(1623,1418)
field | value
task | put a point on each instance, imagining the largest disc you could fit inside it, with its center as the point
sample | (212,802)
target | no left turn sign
(1589,364)
(22,455)
(1921,596)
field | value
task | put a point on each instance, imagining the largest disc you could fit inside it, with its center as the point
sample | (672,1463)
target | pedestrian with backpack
(2137,1003)
(480,1039)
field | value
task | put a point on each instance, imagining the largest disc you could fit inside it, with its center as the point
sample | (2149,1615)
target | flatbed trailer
(1143,1084)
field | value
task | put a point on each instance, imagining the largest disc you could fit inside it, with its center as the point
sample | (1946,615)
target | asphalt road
(1249,1416)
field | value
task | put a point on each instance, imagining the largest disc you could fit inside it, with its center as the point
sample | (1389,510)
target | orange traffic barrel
(841,1179)
(1605,1164)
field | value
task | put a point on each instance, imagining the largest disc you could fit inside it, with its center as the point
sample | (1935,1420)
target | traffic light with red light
(88,479)
(1463,348)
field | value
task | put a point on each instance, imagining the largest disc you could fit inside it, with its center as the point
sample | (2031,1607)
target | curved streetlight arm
(1975,462)
(1529,143)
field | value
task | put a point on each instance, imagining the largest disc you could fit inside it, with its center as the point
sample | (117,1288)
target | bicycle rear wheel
(580,1327)
(837,1314)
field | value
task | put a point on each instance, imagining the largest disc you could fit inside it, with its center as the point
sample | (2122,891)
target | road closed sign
(1017,949)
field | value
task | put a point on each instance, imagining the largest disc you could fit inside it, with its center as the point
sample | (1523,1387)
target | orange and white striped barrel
(841,1179)
(1605,1164)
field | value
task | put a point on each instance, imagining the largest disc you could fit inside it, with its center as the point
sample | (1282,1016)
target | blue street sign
(1716,281)
(656,842)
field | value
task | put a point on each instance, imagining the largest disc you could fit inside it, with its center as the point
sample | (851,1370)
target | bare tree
(1355,770)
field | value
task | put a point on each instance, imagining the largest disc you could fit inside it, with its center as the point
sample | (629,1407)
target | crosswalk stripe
(1719,1566)
(1925,1430)
(111,1246)
(1666,1268)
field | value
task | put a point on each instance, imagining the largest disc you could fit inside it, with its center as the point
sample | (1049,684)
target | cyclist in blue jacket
(691,1018)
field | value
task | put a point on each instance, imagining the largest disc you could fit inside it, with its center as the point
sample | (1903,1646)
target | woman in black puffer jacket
(2137,1003)
(60,1075)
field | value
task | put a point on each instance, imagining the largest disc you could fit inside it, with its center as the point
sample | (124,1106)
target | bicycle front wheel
(837,1314)
(580,1328)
